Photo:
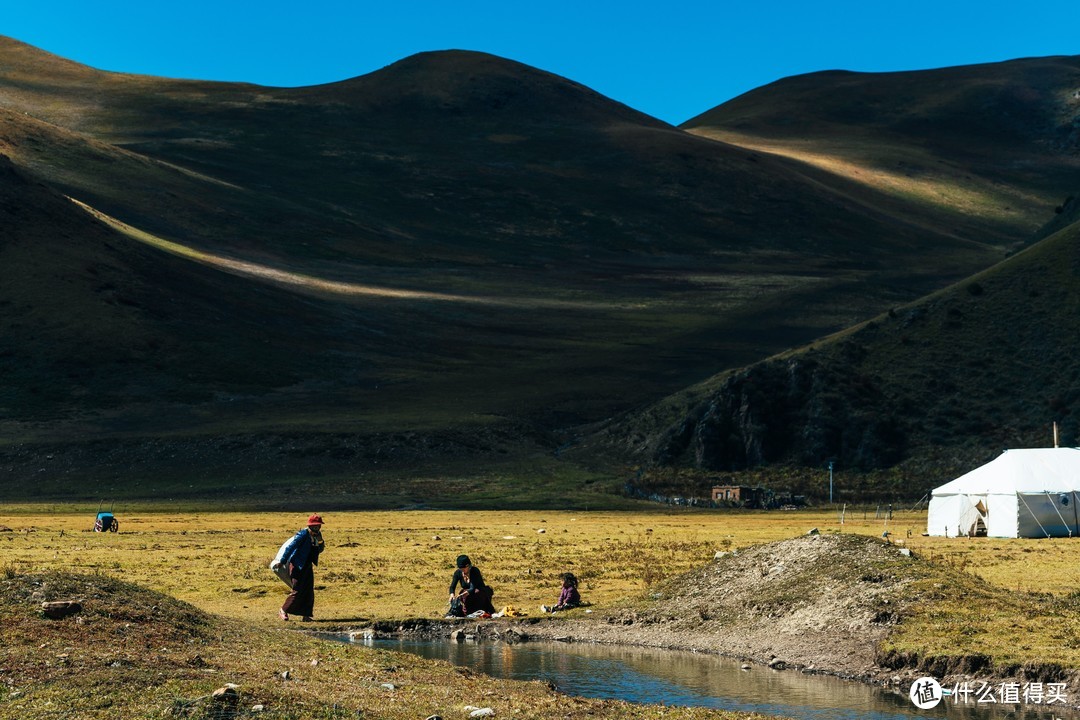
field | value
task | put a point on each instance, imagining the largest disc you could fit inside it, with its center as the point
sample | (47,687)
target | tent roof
(1032,470)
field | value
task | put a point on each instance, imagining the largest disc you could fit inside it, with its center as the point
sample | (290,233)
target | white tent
(1022,493)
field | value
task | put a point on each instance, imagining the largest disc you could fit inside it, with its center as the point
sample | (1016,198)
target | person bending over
(475,595)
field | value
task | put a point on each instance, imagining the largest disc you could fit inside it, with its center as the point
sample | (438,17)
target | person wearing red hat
(299,554)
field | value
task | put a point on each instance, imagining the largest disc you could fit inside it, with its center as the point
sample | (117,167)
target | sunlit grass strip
(938,192)
(312,283)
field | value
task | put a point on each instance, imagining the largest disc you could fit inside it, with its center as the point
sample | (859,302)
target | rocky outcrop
(800,411)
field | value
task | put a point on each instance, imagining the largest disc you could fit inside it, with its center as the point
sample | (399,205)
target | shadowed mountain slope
(930,388)
(452,243)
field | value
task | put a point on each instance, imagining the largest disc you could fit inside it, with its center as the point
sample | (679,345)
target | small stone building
(727,493)
(741,495)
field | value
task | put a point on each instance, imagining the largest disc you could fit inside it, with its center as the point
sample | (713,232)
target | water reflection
(646,675)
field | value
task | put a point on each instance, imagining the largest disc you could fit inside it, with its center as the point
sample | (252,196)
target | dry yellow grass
(386,565)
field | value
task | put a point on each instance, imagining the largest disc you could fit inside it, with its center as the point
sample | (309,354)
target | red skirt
(301,601)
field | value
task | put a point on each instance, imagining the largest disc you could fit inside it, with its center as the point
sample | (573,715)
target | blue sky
(671,60)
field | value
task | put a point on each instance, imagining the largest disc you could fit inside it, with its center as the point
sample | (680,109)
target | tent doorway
(975,517)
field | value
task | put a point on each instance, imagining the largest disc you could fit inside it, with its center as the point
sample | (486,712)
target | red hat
(315,519)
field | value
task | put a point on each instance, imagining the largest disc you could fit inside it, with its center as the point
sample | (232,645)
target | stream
(669,677)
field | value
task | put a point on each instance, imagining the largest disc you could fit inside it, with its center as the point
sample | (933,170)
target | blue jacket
(299,550)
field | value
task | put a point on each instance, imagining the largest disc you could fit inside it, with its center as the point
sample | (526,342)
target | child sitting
(568,597)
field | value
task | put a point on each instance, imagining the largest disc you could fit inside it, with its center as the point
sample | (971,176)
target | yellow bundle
(511,611)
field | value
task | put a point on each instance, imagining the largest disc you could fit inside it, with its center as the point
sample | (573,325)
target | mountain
(456,256)
(987,147)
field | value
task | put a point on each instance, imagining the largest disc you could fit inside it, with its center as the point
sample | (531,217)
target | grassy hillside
(455,257)
(917,394)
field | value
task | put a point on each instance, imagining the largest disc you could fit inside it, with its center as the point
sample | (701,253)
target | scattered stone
(314,662)
(777,664)
(482,712)
(388,686)
(60,608)
(563,638)
(225,696)
(258,708)
(745,666)
(906,552)
(814,531)
(5,528)
(286,675)
(436,537)
(362,635)
(540,531)
(434,717)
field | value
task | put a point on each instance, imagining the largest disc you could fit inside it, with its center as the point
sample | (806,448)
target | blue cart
(106,522)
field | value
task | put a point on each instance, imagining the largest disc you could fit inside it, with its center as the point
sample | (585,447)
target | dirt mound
(819,602)
(119,626)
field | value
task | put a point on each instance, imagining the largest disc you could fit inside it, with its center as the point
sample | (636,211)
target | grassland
(396,565)
(386,565)
(1008,601)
